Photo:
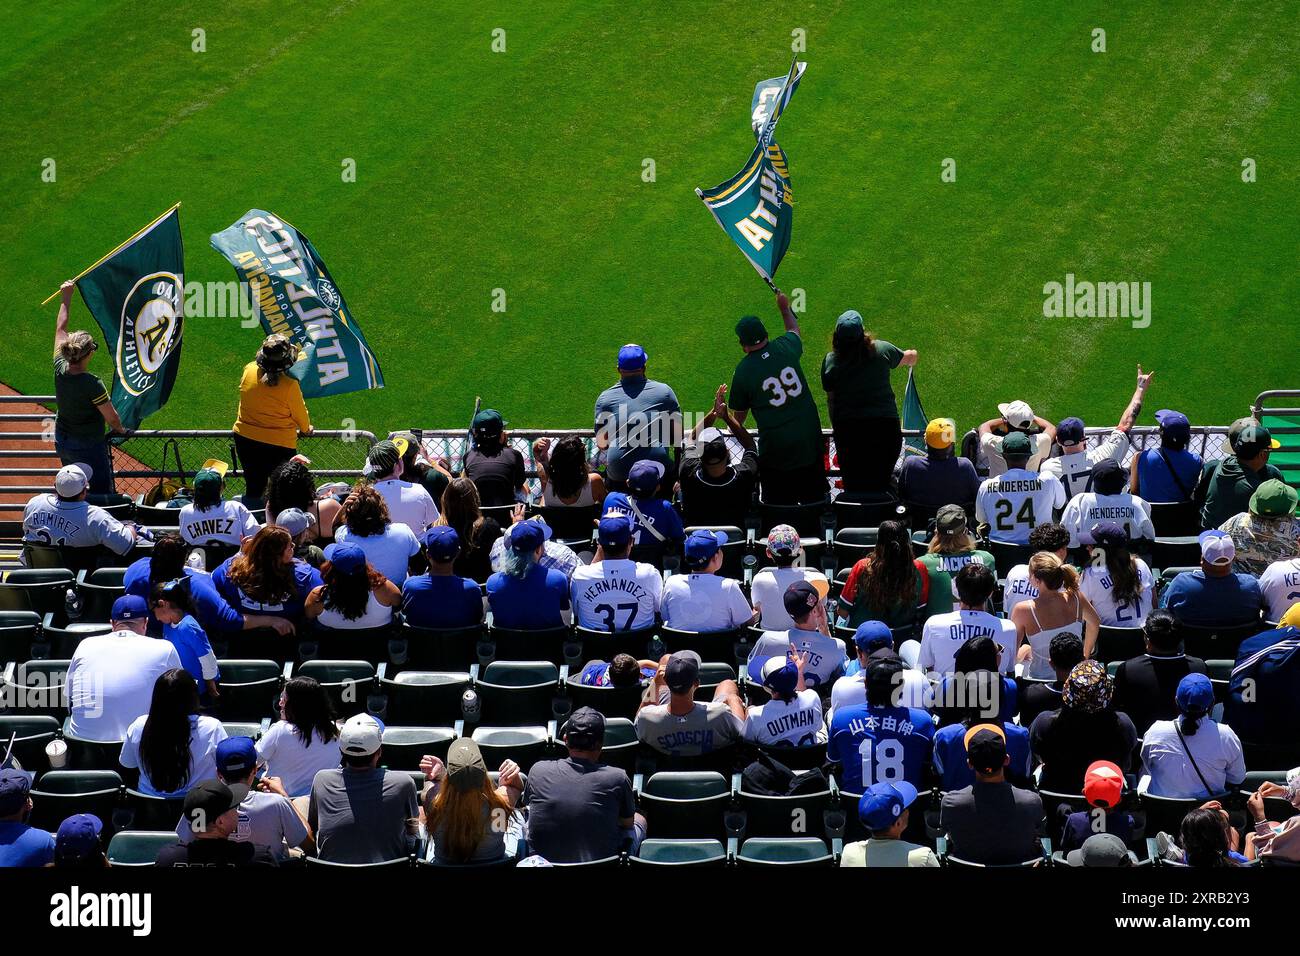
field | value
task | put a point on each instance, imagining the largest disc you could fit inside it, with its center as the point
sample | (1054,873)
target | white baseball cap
(1017,414)
(1217,547)
(360,736)
(72,480)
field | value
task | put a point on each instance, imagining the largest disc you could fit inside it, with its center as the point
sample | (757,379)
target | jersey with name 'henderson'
(1016,501)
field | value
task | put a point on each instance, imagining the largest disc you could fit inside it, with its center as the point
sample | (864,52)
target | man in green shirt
(770,380)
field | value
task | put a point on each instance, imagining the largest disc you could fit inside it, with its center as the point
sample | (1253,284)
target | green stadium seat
(153,813)
(404,746)
(371,644)
(610,701)
(785,851)
(854,544)
(773,816)
(540,645)
(58,794)
(519,692)
(1119,643)
(19,630)
(402,863)
(62,642)
(86,754)
(37,687)
(348,682)
(423,697)
(453,649)
(804,518)
(865,511)
(250,689)
(684,803)
(711,675)
(621,744)
(1007,556)
(573,523)
(717,646)
(1174,519)
(524,745)
(43,590)
(1174,552)
(602,645)
(139,847)
(680,853)
(31,733)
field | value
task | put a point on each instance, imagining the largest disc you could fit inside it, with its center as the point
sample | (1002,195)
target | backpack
(768,777)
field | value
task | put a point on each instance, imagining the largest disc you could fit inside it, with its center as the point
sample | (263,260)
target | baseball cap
(1108,477)
(1100,849)
(1088,689)
(1195,695)
(1069,431)
(986,747)
(129,607)
(783,539)
(1103,784)
(682,671)
(404,442)
(1109,534)
(1017,445)
(715,450)
(293,520)
(848,328)
(1217,547)
(346,557)
(1248,438)
(209,799)
(382,458)
(466,770)
(701,546)
(800,598)
(527,536)
(14,788)
(211,475)
(72,480)
(871,635)
(614,530)
(360,736)
(644,477)
(631,358)
(1273,499)
(780,675)
(442,542)
(1017,414)
(751,330)
(584,729)
(78,838)
(236,756)
(487,422)
(950,519)
(1292,616)
(1173,424)
(883,803)
(941,433)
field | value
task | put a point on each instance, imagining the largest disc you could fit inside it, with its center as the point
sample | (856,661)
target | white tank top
(1040,665)
(376,615)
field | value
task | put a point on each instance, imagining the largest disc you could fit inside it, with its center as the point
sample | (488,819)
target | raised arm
(61,323)
(719,408)
(787,314)
(1135,403)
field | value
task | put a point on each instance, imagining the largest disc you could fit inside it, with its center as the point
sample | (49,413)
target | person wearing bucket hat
(1118,584)
(1193,755)
(716,490)
(21,844)
(1167,473)
(1225,486)
(1268,532)
(767,590)
(1076,461)
(615,593)
(1012,503)
(883,810)
(941,476)
(496,469)
(408,503)
(637,419)
(702,599)
(467,818)
(672,722)
(805,602)
(525,595)
(209,519)
(1016,418)
(793,715)
(864,413)
(271,414)
(1107,499)
(951,548)
(68,518)
(1214,595)
(1085,729)
(769,380)
(441,599)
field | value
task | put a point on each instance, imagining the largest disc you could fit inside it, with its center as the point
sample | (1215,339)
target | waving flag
(771,97)
(913,417)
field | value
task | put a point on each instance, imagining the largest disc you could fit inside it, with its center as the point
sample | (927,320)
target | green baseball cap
(211,475)
(1273,499)
(751,330)
(848,328)
(1017,445)
(1248,438)
(487,422)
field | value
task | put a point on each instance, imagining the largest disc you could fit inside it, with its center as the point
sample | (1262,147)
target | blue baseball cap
(129,607)
(780,675)
(1173,424)
(346,557)
(644,477)
(15,785)
(236,756)
(442,542)
(883,803)
(1069,431)
(1195,695)
(614,530)
(873,635)
(701,546)
(527,536)
(78,838)
(631,358)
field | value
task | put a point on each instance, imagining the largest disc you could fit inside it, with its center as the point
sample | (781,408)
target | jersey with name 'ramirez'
(616,594)
(1016,501)
(227,522)
(74,524)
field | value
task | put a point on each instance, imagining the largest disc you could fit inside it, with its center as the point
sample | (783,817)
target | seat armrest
(81,577)
(287,673)
(48,620)
(564,675)
(473,674)
(941,846)
(458,728)
(735,785)
(381,671)
(638,780)
(733,849)
(837,849)
(552,728)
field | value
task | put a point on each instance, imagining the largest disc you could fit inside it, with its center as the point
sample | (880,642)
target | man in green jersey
(769,380)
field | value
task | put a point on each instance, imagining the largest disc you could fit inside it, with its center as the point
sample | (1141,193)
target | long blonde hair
(76,347)
(460,815)
(1055,574)
(958,543)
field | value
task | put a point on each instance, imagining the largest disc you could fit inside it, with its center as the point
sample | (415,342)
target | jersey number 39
(787,386)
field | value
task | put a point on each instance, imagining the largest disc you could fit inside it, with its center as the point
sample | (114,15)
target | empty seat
(370,644)
(424,697)
(1175,518)
(1007,556)
(139,847)
(711,675)
(518,692)
(62,642)
(250,689)
(785,851)
(781,816)
(348,682)
(719,646)
(31,734)
(681,853)
(59,794)
(540,645)
(43,590)
(610,701)
(404,746)
(685,803)
(602,645)
(153,813)
(621,744)
(1119,643)
(453,649)
(1217,642)
(524,745)
(854,544)
(18,631)
(865,511)
(1174,552)
(36,687)
(804,518)
(98,590)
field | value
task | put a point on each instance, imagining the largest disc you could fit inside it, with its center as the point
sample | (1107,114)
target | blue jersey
(211,610)
(950,756)
(656,512)
(880,745)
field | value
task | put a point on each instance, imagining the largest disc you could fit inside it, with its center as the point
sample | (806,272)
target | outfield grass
(522,171)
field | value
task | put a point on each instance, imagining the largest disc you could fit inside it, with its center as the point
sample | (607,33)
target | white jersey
(797,722)
(704,602)
(1017,588)
(851,691)
(74,524)
(768,590)
(616,594)
(1014,503)
(1090,508)
(1097,587)
(408,503)
(226,522)
(1075,469)
(826,656)
(110,681)
(1280,584)
(944,634)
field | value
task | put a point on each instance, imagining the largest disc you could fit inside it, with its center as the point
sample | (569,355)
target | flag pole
(98,262)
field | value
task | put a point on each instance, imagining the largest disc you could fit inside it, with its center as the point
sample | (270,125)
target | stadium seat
(518,692)
(948,859)
(602,646)
(250,689)
(1166,813)
(541,645)
(571,524)
(454,649)
(602,864)
(806,519)
(1174,552)
(31,733)
(1119,643)
(1167,576)
(621,744)
(712,674)
(506,862)
(865,511)
(98,590)
(401,863)
(429,698)
(716,646)
(139,847)
(733,552)
(1276,809)
(524,745)
(610,701)
(837,583)
(1174,519)
(370,644)
(796,758)
(70,559)
(1217,642)
(62,642)
(153,813)
(37,687)
(1007,556)
(259,643)
(348,682)
(680,853)
(58,794)
(18,631)
(684,803)
(404,746)
(1220,674)
(242,728)
(854,544)
(154,517)
(87,754)
(782,816)
(215,554)
(785,851)
(37,589)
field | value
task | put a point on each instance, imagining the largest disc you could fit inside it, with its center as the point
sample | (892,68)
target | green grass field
(522,171)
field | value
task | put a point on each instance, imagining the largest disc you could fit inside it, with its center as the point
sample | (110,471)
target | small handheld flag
(913,416)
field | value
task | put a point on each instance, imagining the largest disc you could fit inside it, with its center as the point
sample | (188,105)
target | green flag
(771,97)
(913,417)
(294,294)
(136,294)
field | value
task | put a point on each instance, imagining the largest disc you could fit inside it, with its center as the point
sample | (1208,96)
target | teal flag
(136,295)
(771,97)
(913,416)
(295,295)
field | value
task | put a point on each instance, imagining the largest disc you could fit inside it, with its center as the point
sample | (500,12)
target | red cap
(1103,784)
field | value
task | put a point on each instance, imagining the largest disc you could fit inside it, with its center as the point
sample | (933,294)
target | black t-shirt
(495,475)
(1068,741)
(1035,698)
(1145,687)
(724,501)
(215,853)
(574,807)
(477,564)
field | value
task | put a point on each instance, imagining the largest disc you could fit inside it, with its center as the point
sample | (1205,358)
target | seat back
(713,673)
(680,853)
(1007,556)
(865,511)
(715,646)
(428,698)
(773,816)
(368,644)
(686,803)
(1166,813)
(38,687)
(1217,642)
(18,631)
(804,518)
(602,646)
(784,851)
(540,645)
(524,745)
(1174,551)
(153,813)
(401,863)
(1119,643)
(59,794)
(854,544)
(348,682)
(610,701)
(568,522)
(518,692)
(1175,518)
(139,847)
(250,689)
(33,732)
(453,649)
(621,744)
(404,746)
(37,589)
(153,517)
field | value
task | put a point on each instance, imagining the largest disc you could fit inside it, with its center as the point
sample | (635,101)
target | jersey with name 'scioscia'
(616,594)
(227,522)
(1015,502)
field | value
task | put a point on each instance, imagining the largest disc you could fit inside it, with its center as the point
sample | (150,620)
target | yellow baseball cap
(1292,617)
(941,433)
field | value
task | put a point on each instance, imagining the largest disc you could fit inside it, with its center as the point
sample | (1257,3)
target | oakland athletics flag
(771,97)
(135,294)
(294,294)
(913,417)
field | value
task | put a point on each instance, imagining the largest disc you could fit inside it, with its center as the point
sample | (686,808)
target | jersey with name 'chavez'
(1015,502)
(73,524)
(770,382)
(226,522)
(880,745)
(1089,508)
(616,594)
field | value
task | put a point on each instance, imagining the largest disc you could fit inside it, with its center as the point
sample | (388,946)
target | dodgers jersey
(825,654)
(1098,588)
(1280,584)
(880,745)
(73,524)
(1016,501)
(1075,469)
(226,522)
(943,634)
(616,594)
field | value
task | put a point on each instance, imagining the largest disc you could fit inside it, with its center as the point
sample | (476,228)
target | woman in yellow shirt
(271,414)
